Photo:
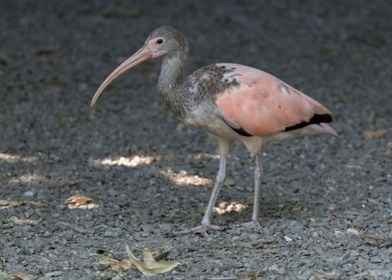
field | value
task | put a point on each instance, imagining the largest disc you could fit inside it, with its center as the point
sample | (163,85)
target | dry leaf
(376,240)
(149,266)
(18,221)
(5,203)
(8,203)
(374,134)
(18,276)
(252,275)
(321,275)
(80,201)
(22,276)
(116,265)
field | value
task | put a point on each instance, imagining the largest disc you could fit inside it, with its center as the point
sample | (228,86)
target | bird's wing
(263,105)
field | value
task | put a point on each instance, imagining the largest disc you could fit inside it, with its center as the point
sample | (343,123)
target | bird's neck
(170,79)
(171,73)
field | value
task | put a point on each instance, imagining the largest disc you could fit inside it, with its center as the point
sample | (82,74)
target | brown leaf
(22,276)
(6,203)
(149,266)
(18,276)
(116,265)
(374,134)
(18,221)
(81,201)
(321,275)
(376,240)
(252,275)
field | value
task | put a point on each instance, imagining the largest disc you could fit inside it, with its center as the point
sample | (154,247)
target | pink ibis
(230,101)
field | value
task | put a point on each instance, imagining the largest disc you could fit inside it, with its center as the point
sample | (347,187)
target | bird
(234,102)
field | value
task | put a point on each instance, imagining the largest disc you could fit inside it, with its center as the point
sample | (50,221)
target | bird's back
(248,100)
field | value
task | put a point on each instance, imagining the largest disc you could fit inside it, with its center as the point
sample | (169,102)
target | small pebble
(53,274)
(288,239)
(332,207)
(375,259)
(352,231)
(273,267)
(28,194)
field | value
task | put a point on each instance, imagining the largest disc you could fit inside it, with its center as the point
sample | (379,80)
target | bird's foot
(254,224)
(201,229)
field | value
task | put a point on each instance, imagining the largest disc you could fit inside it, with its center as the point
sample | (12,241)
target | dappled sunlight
(15,158)
(183,178)
(19,221)
(349,231)
(206,156)
(27,178)
(124,161)
(227,207)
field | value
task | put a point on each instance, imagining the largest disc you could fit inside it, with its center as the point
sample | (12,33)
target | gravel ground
(326,202)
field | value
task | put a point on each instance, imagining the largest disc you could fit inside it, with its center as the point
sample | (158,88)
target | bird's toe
(254,224)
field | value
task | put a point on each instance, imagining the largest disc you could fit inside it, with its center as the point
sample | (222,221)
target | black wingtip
(239,130)
(316,119)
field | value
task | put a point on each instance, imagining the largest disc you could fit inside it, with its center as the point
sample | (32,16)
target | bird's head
(163,41)
(166,40)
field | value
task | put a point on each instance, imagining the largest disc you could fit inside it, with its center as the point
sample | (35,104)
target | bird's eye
(159,41)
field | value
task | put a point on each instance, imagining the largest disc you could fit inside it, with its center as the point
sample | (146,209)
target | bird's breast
(207,116)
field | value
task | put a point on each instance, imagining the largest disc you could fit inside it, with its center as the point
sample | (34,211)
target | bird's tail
(323,128)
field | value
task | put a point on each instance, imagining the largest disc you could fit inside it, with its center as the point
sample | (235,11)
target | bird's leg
(206,221)
(256,207)
(220,178)
(206,225)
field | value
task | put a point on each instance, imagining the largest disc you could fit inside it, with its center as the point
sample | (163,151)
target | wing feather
(264,105)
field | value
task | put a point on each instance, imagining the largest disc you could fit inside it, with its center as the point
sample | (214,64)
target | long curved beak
(141,55)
